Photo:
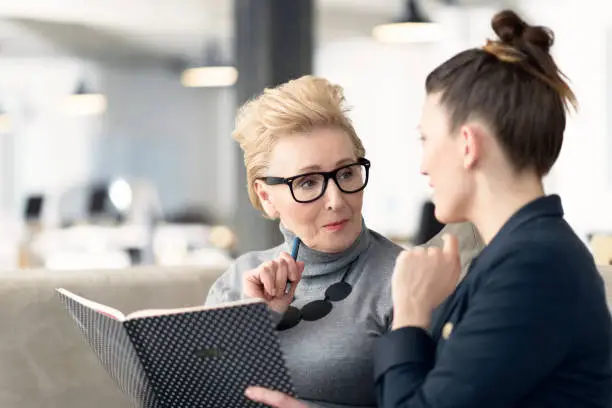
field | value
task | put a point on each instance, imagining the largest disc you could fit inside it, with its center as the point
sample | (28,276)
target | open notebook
(188,357)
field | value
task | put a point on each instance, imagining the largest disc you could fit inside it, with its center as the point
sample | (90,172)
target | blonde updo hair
(298,106)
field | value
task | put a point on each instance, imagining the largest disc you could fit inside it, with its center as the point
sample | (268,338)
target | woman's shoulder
(253,259)
(384,244)
(549,257)
(228,286)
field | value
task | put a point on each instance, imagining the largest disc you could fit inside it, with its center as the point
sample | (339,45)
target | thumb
(300,266)
(272,398)
(451,246)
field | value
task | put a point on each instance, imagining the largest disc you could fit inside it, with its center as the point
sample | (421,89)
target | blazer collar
(545,206)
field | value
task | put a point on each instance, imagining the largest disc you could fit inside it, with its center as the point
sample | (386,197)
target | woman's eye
(346,174)
(307,183)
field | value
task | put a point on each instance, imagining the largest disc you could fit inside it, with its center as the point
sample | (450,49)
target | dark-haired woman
(528,326)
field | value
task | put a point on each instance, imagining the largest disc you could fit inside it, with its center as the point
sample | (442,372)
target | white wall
(47,150)
(384,87)
(385,84)
(176,137)
(582,49)
(180,138)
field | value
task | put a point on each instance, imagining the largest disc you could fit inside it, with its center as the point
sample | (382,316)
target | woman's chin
(337,241)
(441,214)
(448,217)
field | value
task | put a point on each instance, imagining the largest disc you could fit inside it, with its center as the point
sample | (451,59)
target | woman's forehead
(321,150)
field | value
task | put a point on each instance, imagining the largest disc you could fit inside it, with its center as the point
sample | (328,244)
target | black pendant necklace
(318,309)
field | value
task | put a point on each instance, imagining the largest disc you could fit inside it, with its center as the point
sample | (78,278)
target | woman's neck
(321,263)
(495,204)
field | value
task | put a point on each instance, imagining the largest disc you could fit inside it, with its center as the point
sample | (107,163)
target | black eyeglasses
(308,187)
(317,309)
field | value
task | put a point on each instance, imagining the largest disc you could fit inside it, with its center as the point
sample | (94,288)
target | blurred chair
(33,208)
(115,201)
(601,247)
(429,226)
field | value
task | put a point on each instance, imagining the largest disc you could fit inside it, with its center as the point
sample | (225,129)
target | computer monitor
(98,199)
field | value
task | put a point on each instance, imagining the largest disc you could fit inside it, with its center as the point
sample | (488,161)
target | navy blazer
(528,326)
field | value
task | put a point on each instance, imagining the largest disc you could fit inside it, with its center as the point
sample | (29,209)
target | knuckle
(268,274)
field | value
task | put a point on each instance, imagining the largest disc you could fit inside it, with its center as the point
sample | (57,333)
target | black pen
(294,254)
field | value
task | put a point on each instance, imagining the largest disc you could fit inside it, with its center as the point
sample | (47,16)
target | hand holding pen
(275,281)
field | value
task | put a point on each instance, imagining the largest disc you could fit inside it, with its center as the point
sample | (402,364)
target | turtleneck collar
(321,263)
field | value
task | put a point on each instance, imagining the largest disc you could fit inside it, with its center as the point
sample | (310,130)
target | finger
(254,288)
(272,398)
(300,269)
(401,258)
(404,254)
(267,278)
(281,277)
(432,251)
(451,246)
(292,268)
(418,250)
(409,254)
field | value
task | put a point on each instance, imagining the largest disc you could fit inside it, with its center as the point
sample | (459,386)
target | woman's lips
(335,226)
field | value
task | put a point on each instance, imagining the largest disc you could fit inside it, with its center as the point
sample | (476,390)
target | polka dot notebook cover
(192,357)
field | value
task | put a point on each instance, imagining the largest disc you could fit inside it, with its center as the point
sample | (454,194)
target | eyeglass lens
(350,179)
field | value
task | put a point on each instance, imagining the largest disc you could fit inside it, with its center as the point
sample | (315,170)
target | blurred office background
(115,116)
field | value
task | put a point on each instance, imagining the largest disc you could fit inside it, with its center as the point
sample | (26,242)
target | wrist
(411,317)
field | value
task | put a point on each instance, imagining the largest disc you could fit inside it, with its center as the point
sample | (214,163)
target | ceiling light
(213,72)
(414,26)
(84,102)
(209,76)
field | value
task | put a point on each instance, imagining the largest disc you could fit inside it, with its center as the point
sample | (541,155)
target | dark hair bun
(514,31)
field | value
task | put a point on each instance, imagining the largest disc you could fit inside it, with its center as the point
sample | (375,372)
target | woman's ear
(471,137)
(265,198)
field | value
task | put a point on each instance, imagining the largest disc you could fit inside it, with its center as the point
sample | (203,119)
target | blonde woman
(306,167)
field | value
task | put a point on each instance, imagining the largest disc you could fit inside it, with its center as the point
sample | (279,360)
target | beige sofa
(606,272)
(44,361)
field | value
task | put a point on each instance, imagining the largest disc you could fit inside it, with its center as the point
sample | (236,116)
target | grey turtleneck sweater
(330,360)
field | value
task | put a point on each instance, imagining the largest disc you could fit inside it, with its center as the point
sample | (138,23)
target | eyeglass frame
(274,181)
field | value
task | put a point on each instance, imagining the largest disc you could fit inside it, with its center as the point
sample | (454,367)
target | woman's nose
(334,197)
